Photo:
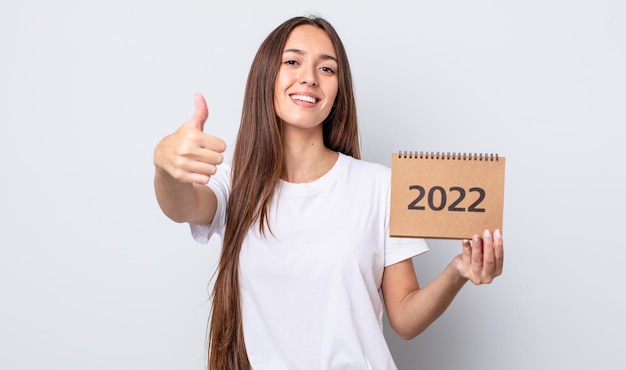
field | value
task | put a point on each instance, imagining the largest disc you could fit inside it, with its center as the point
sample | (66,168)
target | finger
(213,143)
(185,172)
(194,178)
(200,170)
(201,112)
(498,251)
(467,253)
(194,171)
(208,156)
(477,259)
(489,262)
(187,159)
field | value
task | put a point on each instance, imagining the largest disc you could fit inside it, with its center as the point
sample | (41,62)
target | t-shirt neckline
(317,184)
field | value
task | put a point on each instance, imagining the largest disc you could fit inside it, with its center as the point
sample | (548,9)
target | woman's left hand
(482,258)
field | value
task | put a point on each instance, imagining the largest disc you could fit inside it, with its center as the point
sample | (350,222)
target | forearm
(177,199)
(411,309)
(421,307)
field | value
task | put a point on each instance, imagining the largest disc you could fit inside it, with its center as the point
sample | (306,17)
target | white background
(93,275)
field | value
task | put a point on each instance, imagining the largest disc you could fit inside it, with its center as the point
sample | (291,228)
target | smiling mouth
(305,98)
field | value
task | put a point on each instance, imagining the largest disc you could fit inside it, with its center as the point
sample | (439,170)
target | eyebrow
(300,52)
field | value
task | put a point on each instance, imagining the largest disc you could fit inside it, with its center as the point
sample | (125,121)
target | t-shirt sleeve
(399,249)
(220,184)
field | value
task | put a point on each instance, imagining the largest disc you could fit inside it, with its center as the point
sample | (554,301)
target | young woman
(304,222)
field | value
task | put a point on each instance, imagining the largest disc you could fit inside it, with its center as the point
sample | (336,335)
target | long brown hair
(258,163)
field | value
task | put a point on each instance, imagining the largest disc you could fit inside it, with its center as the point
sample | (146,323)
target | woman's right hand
(189,155)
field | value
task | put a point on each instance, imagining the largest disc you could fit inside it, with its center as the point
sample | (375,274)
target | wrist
(456,274)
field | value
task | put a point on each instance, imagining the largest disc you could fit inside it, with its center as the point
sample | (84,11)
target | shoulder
(361,167)
(366,176)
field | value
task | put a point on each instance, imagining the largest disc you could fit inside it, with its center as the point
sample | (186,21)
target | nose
(308,76)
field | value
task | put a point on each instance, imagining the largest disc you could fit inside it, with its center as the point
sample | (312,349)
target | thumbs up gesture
(189,155)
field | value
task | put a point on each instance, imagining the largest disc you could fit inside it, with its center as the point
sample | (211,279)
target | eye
(328,70)
(290,62)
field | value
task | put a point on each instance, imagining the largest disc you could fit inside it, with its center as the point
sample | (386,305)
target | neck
(306,157)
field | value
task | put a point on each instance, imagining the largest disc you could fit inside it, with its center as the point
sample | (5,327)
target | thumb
(202,112)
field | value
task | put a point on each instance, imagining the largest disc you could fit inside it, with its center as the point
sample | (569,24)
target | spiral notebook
(445,195)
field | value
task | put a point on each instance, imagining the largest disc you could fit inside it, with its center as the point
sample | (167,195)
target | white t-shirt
(310,288)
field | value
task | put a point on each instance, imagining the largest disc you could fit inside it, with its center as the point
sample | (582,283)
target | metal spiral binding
(487,157)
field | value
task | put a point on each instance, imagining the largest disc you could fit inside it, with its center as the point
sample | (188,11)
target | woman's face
(306,84)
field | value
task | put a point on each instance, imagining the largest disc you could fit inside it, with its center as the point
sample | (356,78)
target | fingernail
(487,234)
(498,235)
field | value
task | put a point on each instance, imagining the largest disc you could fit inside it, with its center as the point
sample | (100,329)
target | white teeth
(305,98)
